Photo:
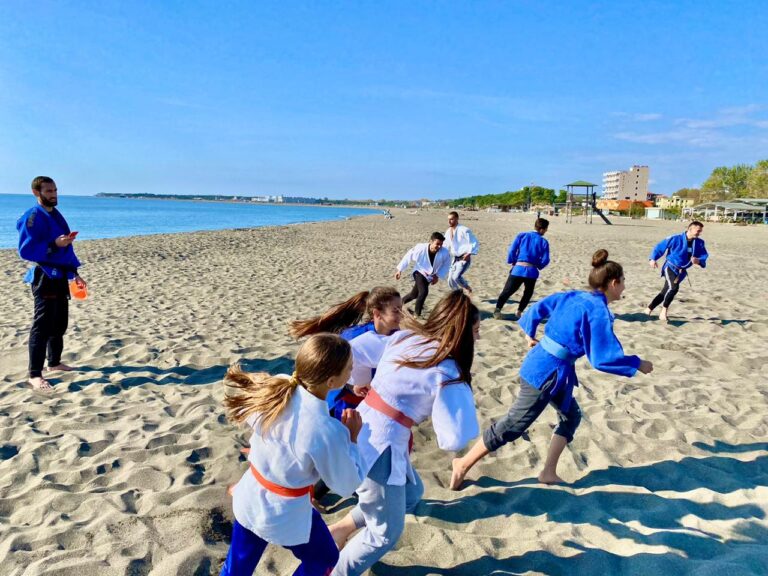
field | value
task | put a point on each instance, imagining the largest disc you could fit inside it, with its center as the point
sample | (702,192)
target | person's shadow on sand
(642,317)
(661,517)
(745,556)
(183,375)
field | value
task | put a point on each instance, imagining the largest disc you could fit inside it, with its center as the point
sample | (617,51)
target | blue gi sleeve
(603,349)
(660,248)
(514,250)
(545,256)
(34,242)
(539,312)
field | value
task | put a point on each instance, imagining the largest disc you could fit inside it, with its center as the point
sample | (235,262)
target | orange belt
(281,490)
(380,405)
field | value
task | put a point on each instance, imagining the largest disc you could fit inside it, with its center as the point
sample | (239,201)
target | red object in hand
(72,235)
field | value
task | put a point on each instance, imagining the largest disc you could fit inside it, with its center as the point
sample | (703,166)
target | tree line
(727,183)
(535,195)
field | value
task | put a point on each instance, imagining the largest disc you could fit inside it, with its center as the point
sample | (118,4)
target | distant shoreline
(238,200)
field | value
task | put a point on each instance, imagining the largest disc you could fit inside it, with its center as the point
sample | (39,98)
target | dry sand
(122,470)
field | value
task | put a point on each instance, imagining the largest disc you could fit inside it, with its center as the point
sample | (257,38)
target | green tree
(726,183)
(757,183)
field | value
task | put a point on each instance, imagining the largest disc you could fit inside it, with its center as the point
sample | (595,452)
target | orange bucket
(78,292)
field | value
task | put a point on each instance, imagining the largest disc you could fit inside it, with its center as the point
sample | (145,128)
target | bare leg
(40,383)
(462,465)
(549,473)
(663,315)
(342,530)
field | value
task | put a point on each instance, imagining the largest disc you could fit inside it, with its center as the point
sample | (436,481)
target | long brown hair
(450,324)
(321,357)
(347,313)
(604,271)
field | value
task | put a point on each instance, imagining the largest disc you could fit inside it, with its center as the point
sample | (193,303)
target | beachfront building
(738,210)
(674,202)
(629,184)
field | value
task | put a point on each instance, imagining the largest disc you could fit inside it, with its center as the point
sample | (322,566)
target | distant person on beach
(46,240)
(366,321)
(462,245)
(425,372)
(431,261)
(578,323)
(683,251)
(528,254)
(294,443)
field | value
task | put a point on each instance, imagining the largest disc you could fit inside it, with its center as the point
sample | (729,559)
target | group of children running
(367,374)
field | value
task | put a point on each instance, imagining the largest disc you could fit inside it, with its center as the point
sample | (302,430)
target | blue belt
(557,350)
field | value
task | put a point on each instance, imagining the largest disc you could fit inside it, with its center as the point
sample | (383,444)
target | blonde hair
(345,314)
(321,357)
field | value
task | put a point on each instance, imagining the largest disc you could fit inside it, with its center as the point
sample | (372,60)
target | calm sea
(113,217)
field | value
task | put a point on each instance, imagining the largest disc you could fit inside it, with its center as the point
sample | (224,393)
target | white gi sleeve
(454,417)
(336,458)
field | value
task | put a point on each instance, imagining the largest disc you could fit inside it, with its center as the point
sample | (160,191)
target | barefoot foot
(457,474)
(60,367)
(40,383)
(550,478)
(648,312)
(663,316)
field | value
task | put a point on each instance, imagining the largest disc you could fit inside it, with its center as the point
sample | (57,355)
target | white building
(629,184)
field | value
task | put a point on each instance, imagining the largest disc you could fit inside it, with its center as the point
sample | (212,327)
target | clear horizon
(367,101)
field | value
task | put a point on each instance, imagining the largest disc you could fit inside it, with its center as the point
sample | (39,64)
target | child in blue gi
(294,443)
(579,323)
(528,254)
(683,251)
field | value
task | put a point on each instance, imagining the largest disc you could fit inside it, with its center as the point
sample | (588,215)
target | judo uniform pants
(530,403)
(380,512)
(318,556)
(419,292)
(513,283)
(456,279)
(668,293)
(49,323)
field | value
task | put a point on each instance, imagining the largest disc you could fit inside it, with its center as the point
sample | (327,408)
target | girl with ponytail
(294,443)
(578,324)
(366,320)
(424,373)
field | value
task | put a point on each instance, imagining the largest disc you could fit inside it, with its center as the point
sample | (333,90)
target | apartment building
(629,184)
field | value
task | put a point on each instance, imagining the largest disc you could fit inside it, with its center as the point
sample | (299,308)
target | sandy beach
(123,468)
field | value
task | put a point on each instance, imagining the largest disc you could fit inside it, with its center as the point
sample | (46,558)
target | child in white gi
(366,321)
(424,371)
(294,443)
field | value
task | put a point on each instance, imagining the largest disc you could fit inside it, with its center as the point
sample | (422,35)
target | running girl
(579,323)
(294,443)
(424,372)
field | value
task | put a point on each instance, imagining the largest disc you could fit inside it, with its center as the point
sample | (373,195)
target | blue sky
(377,99)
